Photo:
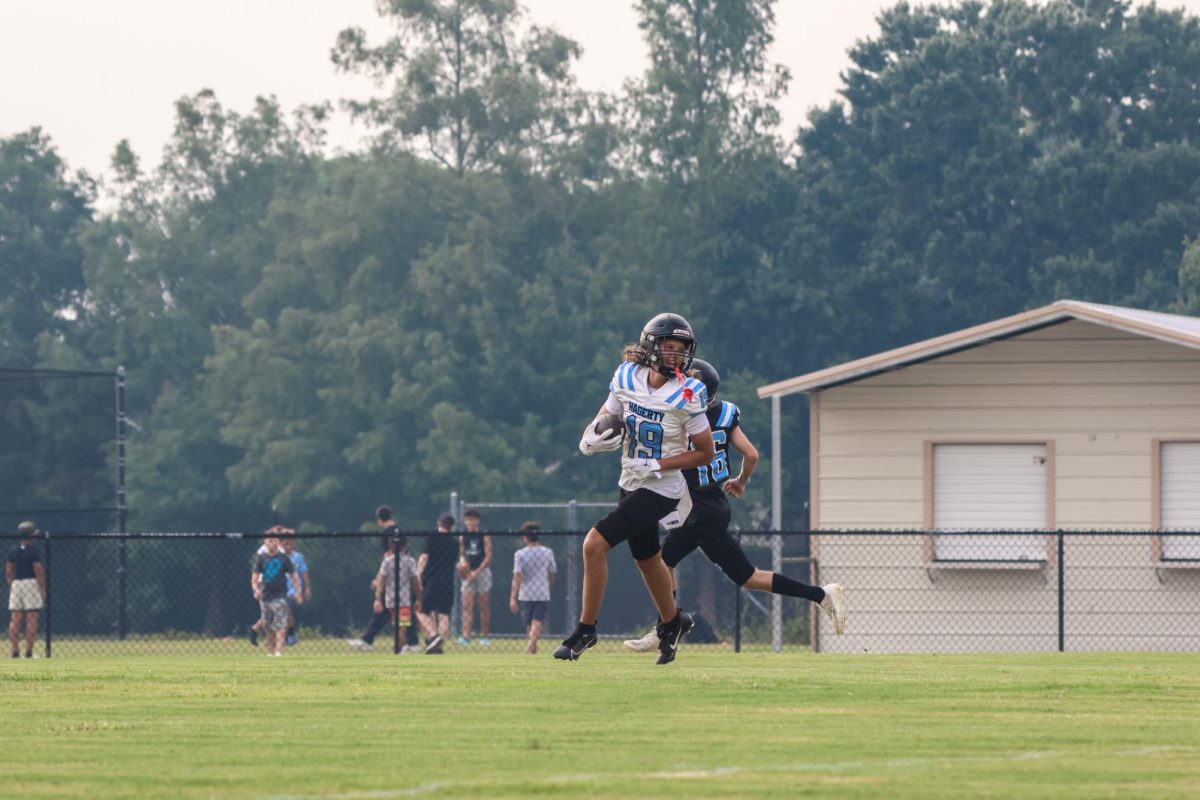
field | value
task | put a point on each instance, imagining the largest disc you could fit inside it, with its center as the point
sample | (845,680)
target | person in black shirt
(436,568)
(269,581)
(26,589)
(474,567)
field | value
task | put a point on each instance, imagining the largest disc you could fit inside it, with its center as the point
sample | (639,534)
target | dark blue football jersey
(723,417)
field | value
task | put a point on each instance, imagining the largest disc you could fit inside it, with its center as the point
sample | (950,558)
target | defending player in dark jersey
(707,526)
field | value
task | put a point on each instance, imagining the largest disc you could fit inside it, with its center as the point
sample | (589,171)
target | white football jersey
(658,423)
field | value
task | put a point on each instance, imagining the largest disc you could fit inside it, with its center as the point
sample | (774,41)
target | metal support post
(122,562)
(1062,606)
(737,610)
(396,632)
(776,521)
(48,609)
(573,555)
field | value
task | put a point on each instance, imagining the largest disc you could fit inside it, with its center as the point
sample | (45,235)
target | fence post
(572,564)
(122,571)
(454,507)
(396,597)
(1061,597)
(46,603)
(737,610)
(776,522)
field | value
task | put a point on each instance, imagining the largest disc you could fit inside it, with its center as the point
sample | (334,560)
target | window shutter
(989,487)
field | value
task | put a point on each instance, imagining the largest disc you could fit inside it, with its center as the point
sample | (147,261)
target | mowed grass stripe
(711,725)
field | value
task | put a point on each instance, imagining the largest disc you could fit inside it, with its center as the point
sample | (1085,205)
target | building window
(990,487)
(1179,499)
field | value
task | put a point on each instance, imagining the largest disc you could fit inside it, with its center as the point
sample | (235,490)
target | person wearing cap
(26,589)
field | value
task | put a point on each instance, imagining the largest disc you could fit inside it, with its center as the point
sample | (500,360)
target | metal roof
(1171,328)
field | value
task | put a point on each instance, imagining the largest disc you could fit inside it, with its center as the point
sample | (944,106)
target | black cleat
(574,645)
(253,636)
(433,647)
(670,635)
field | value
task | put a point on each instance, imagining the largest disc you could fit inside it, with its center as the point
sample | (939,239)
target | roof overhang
(1170,328)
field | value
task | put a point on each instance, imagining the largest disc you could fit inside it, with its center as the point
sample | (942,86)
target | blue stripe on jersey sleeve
(679,400)
(629,375)
(728,412)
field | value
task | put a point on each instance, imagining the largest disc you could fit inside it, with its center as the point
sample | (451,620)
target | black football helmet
(707,374)
(667,326)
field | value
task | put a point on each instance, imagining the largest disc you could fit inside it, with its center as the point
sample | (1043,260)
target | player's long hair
(636,354)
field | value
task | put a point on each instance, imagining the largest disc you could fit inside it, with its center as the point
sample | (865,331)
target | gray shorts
(274,614)
(481,584)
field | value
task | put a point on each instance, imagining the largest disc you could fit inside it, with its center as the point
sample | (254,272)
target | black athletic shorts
(438,597)
(707,527)
(533,610)
(636,519)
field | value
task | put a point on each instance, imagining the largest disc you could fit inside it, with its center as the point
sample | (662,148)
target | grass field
(711,725)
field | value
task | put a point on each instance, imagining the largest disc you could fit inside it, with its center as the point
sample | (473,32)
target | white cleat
(646,644)
(360,645)
(835,605)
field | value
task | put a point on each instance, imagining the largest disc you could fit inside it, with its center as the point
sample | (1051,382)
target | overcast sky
(92,72)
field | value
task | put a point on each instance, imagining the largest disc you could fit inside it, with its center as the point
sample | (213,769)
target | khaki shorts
(481,584)
(24,595)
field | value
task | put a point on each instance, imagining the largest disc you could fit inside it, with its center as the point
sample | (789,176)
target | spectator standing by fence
(436,569)
(300,591)
(390,604)
(26,589)
(272,572)
(533,577)
(385,520)
(475,567)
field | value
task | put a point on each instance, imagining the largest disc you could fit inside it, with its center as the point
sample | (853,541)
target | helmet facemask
(657,359)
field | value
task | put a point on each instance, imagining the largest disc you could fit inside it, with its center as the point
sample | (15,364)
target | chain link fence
(192,594)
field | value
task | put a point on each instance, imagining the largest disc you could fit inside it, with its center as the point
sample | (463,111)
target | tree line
(443,310)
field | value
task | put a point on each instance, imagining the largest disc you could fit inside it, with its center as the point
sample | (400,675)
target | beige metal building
(1073,416)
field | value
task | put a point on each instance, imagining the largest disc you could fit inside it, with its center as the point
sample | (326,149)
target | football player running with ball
(707,527)
(663,410)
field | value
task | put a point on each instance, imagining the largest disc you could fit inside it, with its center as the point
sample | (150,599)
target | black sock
(585,627)
(782,584)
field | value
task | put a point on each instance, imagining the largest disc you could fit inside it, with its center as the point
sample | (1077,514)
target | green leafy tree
(52,432)
(992,157)
(42,211)
(467,84)
(710,92)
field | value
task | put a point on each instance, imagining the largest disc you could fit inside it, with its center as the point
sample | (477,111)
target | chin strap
(687,393)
